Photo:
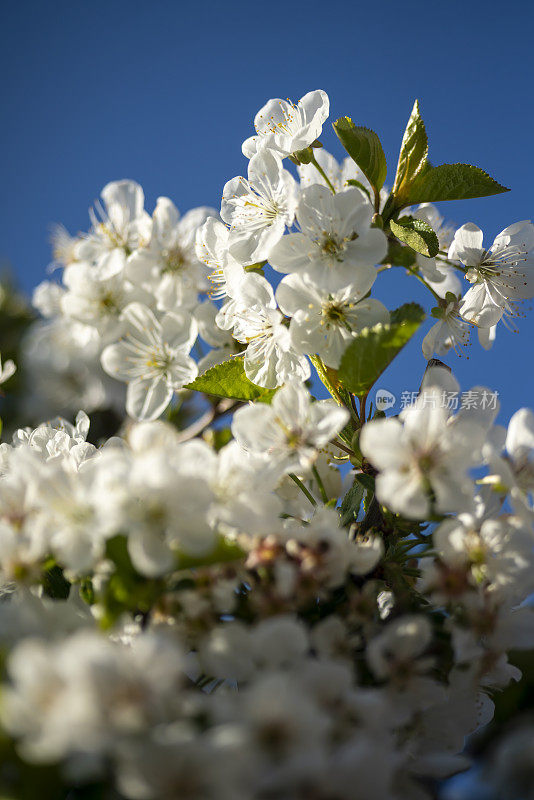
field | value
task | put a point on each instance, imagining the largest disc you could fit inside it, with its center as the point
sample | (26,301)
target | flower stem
(363,400)
(301,486)
(323,174)
(343,447)
(422,280)
(320,484)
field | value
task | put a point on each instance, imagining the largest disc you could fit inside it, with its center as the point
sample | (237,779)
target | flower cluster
(312,600)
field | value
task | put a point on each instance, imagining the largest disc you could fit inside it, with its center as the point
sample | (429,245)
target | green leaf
(452,182)
(363,146)
(417,234)
(351,504)
(413,152)
(366,358)
(417,181)
(229,380)
(367,481)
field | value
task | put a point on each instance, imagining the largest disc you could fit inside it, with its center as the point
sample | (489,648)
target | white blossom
(212,247)
(286,127)
(324,323)
(336,245)
(499,276)
(450,331)
(426,451)
(153,358)
(270,357)
(123,226)
(258,210)
(168,266)
(289,432)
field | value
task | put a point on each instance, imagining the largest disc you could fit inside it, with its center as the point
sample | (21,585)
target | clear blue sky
(165,92)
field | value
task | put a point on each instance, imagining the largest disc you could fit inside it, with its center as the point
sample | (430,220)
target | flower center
(109,233)
(159,359)
(495,263)
(334,314)
(108,303)
(332,246)
(175,259)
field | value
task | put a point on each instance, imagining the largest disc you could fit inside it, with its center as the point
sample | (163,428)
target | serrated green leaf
(374,349)
(417,234)
(408,313)
(364,147)
(229,380)
(452,182)
(413,152)
(417,181)
(351,504)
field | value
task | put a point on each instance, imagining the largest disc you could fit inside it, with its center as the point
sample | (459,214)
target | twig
(199,425)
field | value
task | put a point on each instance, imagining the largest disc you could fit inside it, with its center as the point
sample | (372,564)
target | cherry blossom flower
(499,276)
(168,265)
(286,127)
(450,331)
(289,432)
(336,245)
(213,249)
(426,452)
(259,209)
(270,357)
(153,358)
(124,225)
(325,322)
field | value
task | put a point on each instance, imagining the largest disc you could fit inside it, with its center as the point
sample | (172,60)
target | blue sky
(165,92)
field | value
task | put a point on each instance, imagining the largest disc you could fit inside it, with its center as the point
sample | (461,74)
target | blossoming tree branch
(243,591)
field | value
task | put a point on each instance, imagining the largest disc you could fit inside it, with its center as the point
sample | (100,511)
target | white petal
(150,555)
(141,322)
(165,218)
(291,253)
(179,329)
(486,336)
(520,436)
(467,245)
(146,399)
(381,442)
(127,195)
(116,361)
